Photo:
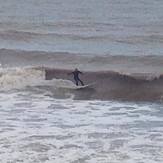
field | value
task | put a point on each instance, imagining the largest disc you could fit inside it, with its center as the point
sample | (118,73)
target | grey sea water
(112,27)
(36,123)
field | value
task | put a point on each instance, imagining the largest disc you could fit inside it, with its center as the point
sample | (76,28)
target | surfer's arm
(80,72)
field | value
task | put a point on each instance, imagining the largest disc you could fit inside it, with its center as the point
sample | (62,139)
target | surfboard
(73,86)
(84,86)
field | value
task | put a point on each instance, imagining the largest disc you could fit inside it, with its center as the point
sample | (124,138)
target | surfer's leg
(76,81)
(81,82)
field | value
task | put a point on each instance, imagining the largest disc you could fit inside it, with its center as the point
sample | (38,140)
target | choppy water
(97,27)
(39,128)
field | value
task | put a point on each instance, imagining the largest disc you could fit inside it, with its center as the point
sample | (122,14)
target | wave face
(118,28)
(111,85)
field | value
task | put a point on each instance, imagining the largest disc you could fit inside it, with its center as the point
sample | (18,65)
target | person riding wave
(76,74)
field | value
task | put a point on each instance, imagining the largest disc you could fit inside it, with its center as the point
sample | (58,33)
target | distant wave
(77,41)
(29,35)
(20,35)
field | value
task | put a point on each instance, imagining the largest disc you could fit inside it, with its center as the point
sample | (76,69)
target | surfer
(76,73)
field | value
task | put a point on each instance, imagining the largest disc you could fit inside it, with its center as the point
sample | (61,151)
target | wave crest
(16,78)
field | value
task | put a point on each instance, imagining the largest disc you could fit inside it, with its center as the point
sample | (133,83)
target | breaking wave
(108,85)
(16,78)
(112,85)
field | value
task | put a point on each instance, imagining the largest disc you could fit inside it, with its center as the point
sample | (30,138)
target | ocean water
(41,121)
(36,127)
(102,27)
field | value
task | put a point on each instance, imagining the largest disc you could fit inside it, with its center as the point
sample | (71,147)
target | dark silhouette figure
(76,73)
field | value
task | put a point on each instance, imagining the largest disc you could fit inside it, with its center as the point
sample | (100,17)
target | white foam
(11,78)
(38,128)
(18,78)
(61,83)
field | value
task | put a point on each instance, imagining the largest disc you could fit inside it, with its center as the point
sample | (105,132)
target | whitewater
(117,44)
(38,128)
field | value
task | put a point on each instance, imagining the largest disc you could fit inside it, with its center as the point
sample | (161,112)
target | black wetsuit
(76,77)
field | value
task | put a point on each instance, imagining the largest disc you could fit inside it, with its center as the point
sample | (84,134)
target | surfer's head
(76,69)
